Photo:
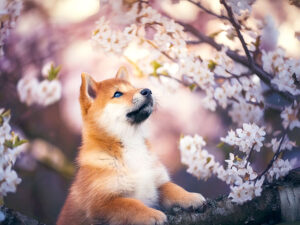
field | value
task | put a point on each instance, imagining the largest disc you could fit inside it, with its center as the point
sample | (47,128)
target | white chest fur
(145,170)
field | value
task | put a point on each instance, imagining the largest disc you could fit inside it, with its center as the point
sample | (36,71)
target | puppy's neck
(113,140)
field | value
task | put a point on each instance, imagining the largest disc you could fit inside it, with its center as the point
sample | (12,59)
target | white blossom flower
(31,91)
(26,88)
(170,69)
(209,103)
(244,112)
(9,12)
(290,117)
(250,136)
(240,6)
(8,154)
(279,169)
(274,144)
(112,40)
(241,193)
(283,69)
(288,144)
(221,97)
(48,92)
(246,191)
(200,163)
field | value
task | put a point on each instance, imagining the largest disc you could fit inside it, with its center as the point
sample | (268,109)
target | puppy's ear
(88,92)
(122,73)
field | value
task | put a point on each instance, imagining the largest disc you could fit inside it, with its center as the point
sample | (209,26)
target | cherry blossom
(9,12)
(9,151)
(48,91)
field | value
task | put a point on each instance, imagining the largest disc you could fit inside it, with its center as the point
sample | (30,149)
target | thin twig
(250,154)
(233,76)
(237,29)
(172,78)
(162,52)
(275,156)
(193,42)
(198,4)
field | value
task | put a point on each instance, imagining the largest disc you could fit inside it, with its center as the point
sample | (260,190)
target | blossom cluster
(280,168)
(290,116)
(283,68)
(112,40)
(200,163)
(147,26)
(250,136)
(32,91)
(244,182)
(9,151)
(9,12)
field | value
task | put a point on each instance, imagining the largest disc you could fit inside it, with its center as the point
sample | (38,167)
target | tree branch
(198,4)
(237,29)
(261,210)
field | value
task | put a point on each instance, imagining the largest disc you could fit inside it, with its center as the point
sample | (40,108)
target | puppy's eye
(118,94)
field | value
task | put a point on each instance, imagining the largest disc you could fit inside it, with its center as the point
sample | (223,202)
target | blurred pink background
(59,31)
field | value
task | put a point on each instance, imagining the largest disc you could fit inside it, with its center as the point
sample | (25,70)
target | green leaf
(192,87)
(220,145)
(208,159)
(20,142)
(6,113)
(155,65)
(211,65)
(53,72)
(1,121)
(8,144)
(214,34)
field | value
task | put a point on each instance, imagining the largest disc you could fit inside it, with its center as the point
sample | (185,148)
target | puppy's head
(114,103)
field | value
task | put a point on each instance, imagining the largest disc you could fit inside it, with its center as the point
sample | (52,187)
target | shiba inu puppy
(119,179)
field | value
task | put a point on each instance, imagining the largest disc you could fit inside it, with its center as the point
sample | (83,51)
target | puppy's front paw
(150,217)
(157,218)
(192,200)
(185,200)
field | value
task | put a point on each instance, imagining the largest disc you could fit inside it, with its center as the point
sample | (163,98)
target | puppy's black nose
(146,92)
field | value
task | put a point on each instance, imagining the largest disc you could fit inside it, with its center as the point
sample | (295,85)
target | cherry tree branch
(266,209)
(198,4)
(237,29)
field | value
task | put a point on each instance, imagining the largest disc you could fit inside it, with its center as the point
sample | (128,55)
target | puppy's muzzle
(142,108)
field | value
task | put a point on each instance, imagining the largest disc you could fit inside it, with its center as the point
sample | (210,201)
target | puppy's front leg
(172,194)
(129,211)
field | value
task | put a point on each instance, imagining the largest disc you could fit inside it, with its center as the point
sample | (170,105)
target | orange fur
(108,187)
(172,194)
